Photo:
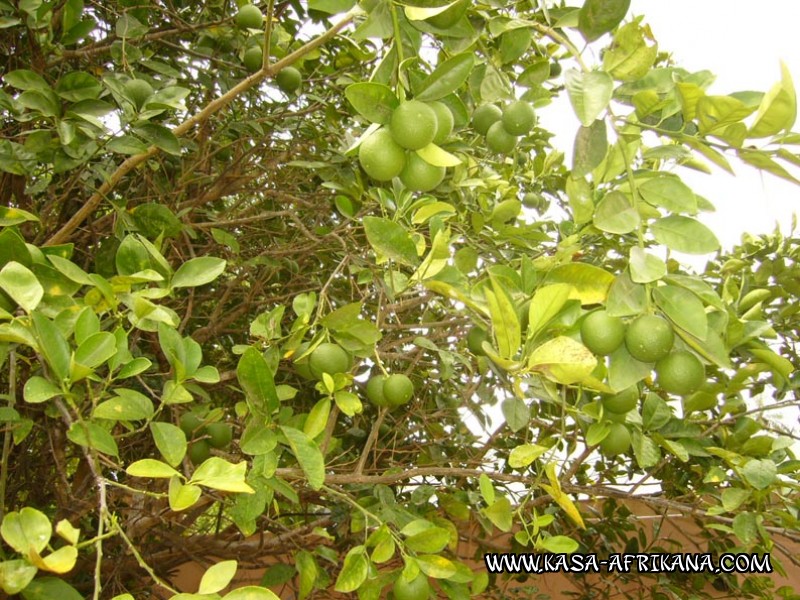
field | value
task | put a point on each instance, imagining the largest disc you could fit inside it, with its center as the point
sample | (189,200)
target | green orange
(413,124)
(602,333)
(649,338)
(329,358)
(249,17)
(419,175)
(680,373)
(485,116)
(518,118)
(398,389)
(499,140)
(380,156)
(618,440)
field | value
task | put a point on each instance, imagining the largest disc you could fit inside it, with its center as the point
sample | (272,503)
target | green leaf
(597,17)
(317,418)
(59,561)
(161,137)
(645,450)
(447,77)
(745,526)
(683,308)
(91,435)
(563,360)
(218,474)
(655,412)
(198,271)
(96,349)
(630,58)
(546,303)
(217,577)
(170,441)
(38,389)
(182,496)
(78,85)
(308,571)
(523,455)
(332,7)
(778,109)
(589,93)
(645,267)
(255,377)
(589,150)
(25,79)
(21,284)
(348,403)
(432,540)
(505,321)
(616,214)
(500,514)
(624,370)
(590,283)
(760,473)
(148,467)
(669,192)
(391,240)
(308,455)
(374,101)
(52,345)
(434,155)
(436,566)
(47,588)
(15,575)
(434,209)
(134,367)
(516,412)
(684,234)
(487,489)
(354,570)
(580,195)
(558,544)
(27,531)
(129,26)
(129,405)
(251,592)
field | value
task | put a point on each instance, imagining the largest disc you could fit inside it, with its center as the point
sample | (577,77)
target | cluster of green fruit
(389,390)
(649,339)
(249,17)
(204,436)
(503,126)
(390,151)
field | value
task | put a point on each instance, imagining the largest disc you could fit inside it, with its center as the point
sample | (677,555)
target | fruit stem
(398,44)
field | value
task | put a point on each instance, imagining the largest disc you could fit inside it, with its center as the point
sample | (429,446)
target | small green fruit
(288,80)
(623,402)
(220,435)
(253,59)
(199,452)
(249,17)
(416,589)
(444,122)
(518,118)
(601,333)
(499,140)
(375,390)
(397,389)
(475,338)
(484,117)
(419,175)
(380,156)
(329,358)
(649,338)
(413,124)
(680,373)
(190,424)
(618,440)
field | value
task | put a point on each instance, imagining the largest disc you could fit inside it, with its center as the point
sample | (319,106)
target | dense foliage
(306,285)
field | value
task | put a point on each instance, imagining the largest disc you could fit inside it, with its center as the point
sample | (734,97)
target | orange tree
(304,284)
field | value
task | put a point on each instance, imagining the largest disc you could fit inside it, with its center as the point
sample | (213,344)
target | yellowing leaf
(563,360)
(566,504)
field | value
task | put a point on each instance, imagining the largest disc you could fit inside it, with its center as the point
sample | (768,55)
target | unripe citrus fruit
(249,17)
(419,175)
(380,156)
(138,91)
(413,125)
(288,79)
(475,338)
(190,424)
(199,451)
(416,589)
(329,358)
(220,435)
(301,364)
(649,338)
(449,17)
(444,121)
(253,59)
(484,117)
(680,373)
(622,402)
(518,118)
(375,390)
(601,333)
(533,200)
(397,389)
(618,440)
(555,69)
(499,140)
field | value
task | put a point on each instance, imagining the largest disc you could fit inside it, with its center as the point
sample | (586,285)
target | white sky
(743,44)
